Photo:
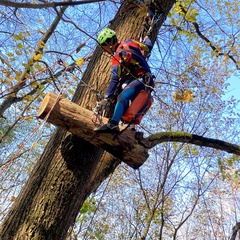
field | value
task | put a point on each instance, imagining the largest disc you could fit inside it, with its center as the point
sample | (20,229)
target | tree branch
(236,228)
(45,5)
(199,33)
(184,137)
(128,146)
(8,101)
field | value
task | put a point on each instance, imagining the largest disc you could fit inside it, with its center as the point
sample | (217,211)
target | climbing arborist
(129,69)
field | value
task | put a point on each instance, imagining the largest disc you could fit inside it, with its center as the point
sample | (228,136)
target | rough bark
(70,168)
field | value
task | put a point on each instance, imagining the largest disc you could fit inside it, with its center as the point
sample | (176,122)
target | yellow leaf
(64,95)
(178,97)
(12,199)
(191,15)
(20,45)
(80,61)
(71,91)
(29,97)
(29,118)
(18,36)
(37,57)
(10,54)
(35,145)
(186,96)
(18,52)
(41,44)
(34,84)
(38,67)
(18,76)
(177,8)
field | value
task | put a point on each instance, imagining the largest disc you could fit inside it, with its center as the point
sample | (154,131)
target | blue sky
(234,88)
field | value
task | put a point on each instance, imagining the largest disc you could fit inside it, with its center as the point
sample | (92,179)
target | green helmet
(105,34)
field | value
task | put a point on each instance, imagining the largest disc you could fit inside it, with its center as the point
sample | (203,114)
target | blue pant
(128,94)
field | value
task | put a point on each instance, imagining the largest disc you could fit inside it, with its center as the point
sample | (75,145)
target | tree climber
(129,69)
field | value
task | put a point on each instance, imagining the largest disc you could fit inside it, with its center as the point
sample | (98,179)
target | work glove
(102,105)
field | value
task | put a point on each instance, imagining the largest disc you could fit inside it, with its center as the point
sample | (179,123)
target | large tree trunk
(70,168)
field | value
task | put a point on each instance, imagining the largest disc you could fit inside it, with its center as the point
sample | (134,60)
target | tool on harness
(138,108)
(99,110)
(139,105)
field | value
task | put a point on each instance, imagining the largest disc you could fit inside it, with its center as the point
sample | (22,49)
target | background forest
(182,191)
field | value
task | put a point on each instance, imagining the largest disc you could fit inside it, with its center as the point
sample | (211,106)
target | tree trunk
(70,168)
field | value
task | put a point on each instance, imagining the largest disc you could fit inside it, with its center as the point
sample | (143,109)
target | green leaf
(20,45)
(18,36)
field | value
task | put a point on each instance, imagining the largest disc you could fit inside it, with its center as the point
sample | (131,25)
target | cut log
(61,112)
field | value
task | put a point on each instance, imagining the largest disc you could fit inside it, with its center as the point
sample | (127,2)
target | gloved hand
(102,105)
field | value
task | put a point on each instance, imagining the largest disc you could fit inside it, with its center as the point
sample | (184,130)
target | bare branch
(12,98)
(236,228)
(45,5)
(193,139)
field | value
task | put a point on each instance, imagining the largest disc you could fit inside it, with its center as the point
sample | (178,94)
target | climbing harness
(125,47)
(154,15)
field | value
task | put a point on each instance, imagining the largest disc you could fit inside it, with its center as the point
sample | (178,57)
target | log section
(63,113)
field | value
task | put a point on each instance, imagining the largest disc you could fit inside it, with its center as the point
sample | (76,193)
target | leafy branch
(202,36)
(11,99)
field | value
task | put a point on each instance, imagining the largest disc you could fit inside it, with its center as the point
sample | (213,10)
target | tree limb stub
(130,147)
(68,115)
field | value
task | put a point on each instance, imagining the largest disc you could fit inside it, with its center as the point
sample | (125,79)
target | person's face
(108,48)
